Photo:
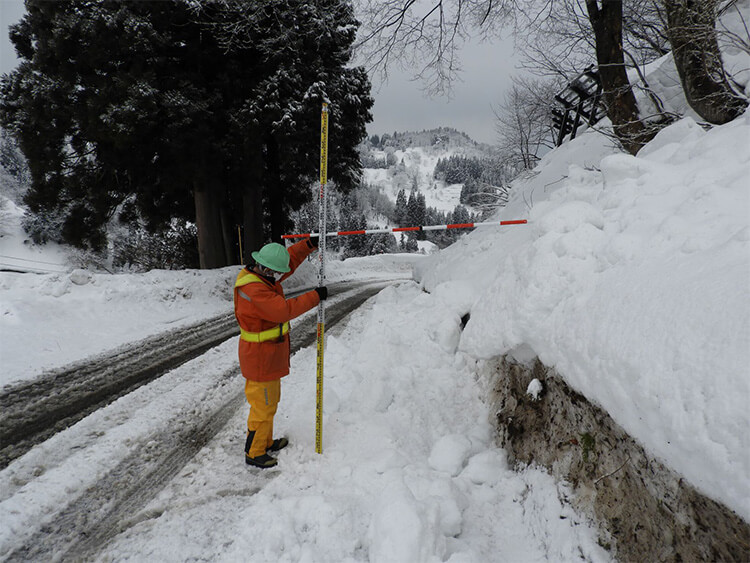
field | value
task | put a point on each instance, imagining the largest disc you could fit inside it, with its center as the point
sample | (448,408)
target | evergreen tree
(457,169)
(352,219)
(382,243)
(304,48)
(415,213)
(206,111)
(461,215)
(421,214)
(401,212)
(11,158)
(111,100)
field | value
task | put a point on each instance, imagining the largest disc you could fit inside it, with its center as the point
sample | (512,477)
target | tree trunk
(274,189)
(252,204)
(228,235)
(692,33)
(208,221)
(618,96)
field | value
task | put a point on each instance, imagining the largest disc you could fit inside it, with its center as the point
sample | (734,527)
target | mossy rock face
(645,511)
(587,445)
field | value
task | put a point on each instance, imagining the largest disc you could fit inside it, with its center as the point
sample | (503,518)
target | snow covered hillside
(411,159)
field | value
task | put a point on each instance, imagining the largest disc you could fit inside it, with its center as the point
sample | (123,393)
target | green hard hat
(273,256)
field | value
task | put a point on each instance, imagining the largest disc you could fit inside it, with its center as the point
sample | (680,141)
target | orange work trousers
(263,397)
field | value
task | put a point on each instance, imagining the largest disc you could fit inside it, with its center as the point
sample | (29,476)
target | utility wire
(34,269)
(29,260)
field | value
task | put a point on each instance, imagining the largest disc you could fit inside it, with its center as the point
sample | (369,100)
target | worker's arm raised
(273,307)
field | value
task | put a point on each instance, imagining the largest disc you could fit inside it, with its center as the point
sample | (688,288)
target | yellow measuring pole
(322,212)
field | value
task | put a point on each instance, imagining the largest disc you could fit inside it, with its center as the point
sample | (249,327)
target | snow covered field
(631,279)
(409,471)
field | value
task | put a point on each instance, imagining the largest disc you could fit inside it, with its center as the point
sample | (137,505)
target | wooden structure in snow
(580,101)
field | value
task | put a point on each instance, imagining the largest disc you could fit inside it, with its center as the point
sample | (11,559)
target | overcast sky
(10,12)
(400,104)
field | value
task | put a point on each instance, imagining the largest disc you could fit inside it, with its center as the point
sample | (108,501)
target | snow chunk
(486,468)
(398,531)
(667,141)
(523,355)
(567,217)
(450,453)
(81,277)
(534,389)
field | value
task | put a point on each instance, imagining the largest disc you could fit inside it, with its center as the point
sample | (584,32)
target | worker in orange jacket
(263,314)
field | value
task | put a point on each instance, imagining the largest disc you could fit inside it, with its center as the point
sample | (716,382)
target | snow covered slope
(632,280)
(413,159)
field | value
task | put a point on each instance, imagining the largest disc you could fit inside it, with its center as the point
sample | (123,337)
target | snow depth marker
(322,211)
(402,229)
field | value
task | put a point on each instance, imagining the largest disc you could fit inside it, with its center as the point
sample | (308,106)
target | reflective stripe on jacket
(262,313)
(270,334)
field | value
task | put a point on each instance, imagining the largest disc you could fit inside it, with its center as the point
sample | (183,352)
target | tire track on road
(32,412)
(83,527)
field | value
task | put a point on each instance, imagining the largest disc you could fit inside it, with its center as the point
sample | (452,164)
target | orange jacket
(261,305)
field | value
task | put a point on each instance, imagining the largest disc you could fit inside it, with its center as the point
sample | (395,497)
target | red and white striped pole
(408,229)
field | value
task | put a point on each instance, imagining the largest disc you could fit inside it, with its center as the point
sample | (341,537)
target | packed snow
(631,279)
(409,472)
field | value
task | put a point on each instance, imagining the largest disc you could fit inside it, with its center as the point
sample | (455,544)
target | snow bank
(632,280)
(50,320)
(409,470)
(16,250)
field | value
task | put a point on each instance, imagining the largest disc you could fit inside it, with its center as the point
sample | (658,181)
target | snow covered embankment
(631,280)
(646,511)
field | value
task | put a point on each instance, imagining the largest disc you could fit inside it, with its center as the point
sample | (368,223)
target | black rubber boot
(278,444)
(249,441)
(263,461)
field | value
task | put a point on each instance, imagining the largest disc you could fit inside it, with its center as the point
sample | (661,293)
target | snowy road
(32,411)
(117,478)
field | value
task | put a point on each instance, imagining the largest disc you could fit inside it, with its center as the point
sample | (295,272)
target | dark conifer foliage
(206,111)
(304,48)
(95,115)
(457,169)
(401,218)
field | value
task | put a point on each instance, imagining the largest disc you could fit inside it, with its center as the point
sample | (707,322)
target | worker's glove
(313,242)
(322,292)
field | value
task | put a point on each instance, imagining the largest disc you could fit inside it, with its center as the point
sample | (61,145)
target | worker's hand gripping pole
(322,213)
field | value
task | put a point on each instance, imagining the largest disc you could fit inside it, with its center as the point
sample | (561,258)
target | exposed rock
(645,511)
